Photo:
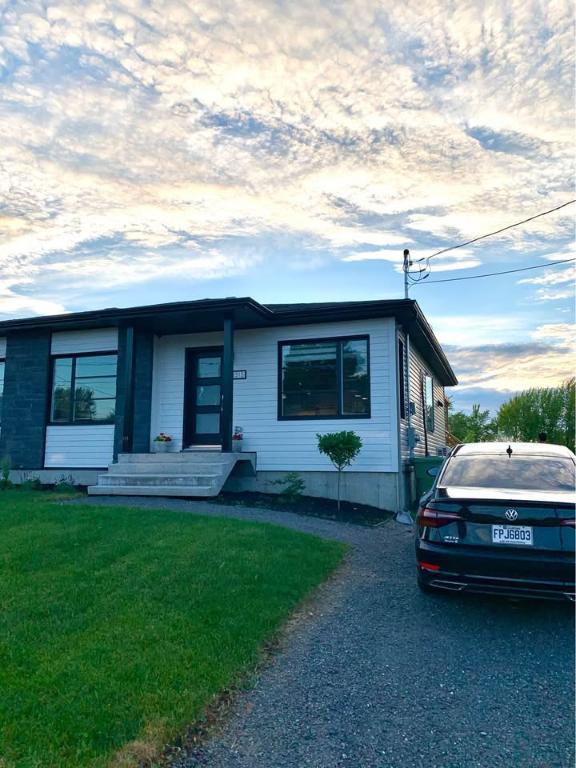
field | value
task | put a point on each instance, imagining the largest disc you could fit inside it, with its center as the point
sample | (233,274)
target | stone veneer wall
(25,405)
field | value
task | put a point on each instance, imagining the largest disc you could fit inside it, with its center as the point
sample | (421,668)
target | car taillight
(433,518)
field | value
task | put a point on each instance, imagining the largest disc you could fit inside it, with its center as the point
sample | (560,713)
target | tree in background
(476,427)
(542,409)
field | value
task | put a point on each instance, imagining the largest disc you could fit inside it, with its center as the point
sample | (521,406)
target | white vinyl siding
(79,446)
(285,445)
(86,445)
(437,438)
(2,348)
(78,342)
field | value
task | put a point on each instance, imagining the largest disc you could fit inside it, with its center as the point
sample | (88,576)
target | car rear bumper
(500,573)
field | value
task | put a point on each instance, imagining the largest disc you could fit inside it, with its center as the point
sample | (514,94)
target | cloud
(552,277)
(138,124)
(563,333)
(510,367)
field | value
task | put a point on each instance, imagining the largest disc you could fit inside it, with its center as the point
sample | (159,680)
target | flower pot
(237,446)
(162,446)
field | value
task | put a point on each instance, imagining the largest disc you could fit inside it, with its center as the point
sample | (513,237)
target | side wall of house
(80,445)
(437,439)
(284,445)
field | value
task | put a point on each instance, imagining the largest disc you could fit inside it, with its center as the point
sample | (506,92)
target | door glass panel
(209,367)
(208,394)
(208,423)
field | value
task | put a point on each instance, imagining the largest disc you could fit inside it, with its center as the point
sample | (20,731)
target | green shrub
(341,448)
(5,481)
(31,484)
(292,487)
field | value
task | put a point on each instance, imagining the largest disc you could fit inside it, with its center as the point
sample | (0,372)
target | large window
(83,389)
(323,379)
(2,367)
(429,402)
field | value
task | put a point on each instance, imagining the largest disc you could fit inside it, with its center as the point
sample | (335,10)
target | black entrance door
(203,397)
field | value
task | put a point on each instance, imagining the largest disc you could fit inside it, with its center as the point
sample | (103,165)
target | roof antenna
(509,451)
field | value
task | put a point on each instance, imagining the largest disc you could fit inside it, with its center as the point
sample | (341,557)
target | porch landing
(190,473)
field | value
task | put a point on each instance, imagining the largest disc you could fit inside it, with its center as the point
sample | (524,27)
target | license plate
(512,534)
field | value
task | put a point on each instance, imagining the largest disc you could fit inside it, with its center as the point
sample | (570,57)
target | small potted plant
(162,443)
(237,438)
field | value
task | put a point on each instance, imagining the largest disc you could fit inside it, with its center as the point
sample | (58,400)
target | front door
(203,397)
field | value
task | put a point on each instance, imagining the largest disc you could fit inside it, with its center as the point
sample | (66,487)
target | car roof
(520,449)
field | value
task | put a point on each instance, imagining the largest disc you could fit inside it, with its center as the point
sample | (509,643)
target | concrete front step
(116,480)
(190,457)
(142,490)
(168,468)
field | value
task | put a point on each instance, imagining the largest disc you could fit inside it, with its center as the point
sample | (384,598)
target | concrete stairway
(190,473)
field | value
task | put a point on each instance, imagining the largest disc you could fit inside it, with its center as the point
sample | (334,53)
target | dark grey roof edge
(406,311)
(132,313)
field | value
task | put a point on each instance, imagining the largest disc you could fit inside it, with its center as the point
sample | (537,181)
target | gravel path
(382,676)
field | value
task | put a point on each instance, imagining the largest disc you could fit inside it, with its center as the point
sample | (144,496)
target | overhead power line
(491,274)
(497,232)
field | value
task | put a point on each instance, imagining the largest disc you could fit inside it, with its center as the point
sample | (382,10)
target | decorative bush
(341,448)
(292,487)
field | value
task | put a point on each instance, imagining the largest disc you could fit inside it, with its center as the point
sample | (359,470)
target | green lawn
(118,626)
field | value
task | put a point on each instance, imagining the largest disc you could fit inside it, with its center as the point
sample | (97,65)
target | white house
(85,395)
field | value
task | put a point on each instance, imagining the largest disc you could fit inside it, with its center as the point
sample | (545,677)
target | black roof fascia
(114,316)
(406,311)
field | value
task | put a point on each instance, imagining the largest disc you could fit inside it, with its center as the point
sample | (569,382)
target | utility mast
(407,265)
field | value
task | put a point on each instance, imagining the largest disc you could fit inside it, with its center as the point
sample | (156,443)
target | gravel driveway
(382,676)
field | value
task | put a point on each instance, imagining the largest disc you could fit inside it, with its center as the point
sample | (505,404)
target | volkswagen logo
(511,514)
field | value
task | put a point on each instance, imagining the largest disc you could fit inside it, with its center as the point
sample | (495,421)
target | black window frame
(340,341)
(71,422)
(402,377)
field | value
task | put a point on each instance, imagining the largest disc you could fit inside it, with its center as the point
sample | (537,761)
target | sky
(155,151)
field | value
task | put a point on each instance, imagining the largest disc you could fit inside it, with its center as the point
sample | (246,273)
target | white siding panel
(95,340)
(437,438)
(284,445)
(79,446)
(2,347)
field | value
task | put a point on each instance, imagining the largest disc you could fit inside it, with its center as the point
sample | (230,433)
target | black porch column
(124,392)
(227,383)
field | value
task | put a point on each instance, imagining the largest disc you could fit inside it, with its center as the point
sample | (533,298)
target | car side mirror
(433,471)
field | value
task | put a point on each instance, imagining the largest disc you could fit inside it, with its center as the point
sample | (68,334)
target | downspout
(404,516)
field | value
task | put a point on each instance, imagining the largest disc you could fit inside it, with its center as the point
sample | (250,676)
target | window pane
(429,400)
(208,394)
(309,379)
(61,389)
(208,423)
(208,367)
(528,473)
(88,409)
(96,387)
(355,382)
(99,365)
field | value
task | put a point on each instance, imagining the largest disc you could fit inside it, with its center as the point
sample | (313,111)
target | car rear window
(529,473)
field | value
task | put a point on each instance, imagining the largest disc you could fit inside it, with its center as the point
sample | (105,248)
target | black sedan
(500,519)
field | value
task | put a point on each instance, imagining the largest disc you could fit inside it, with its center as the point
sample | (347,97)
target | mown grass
(119,626)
